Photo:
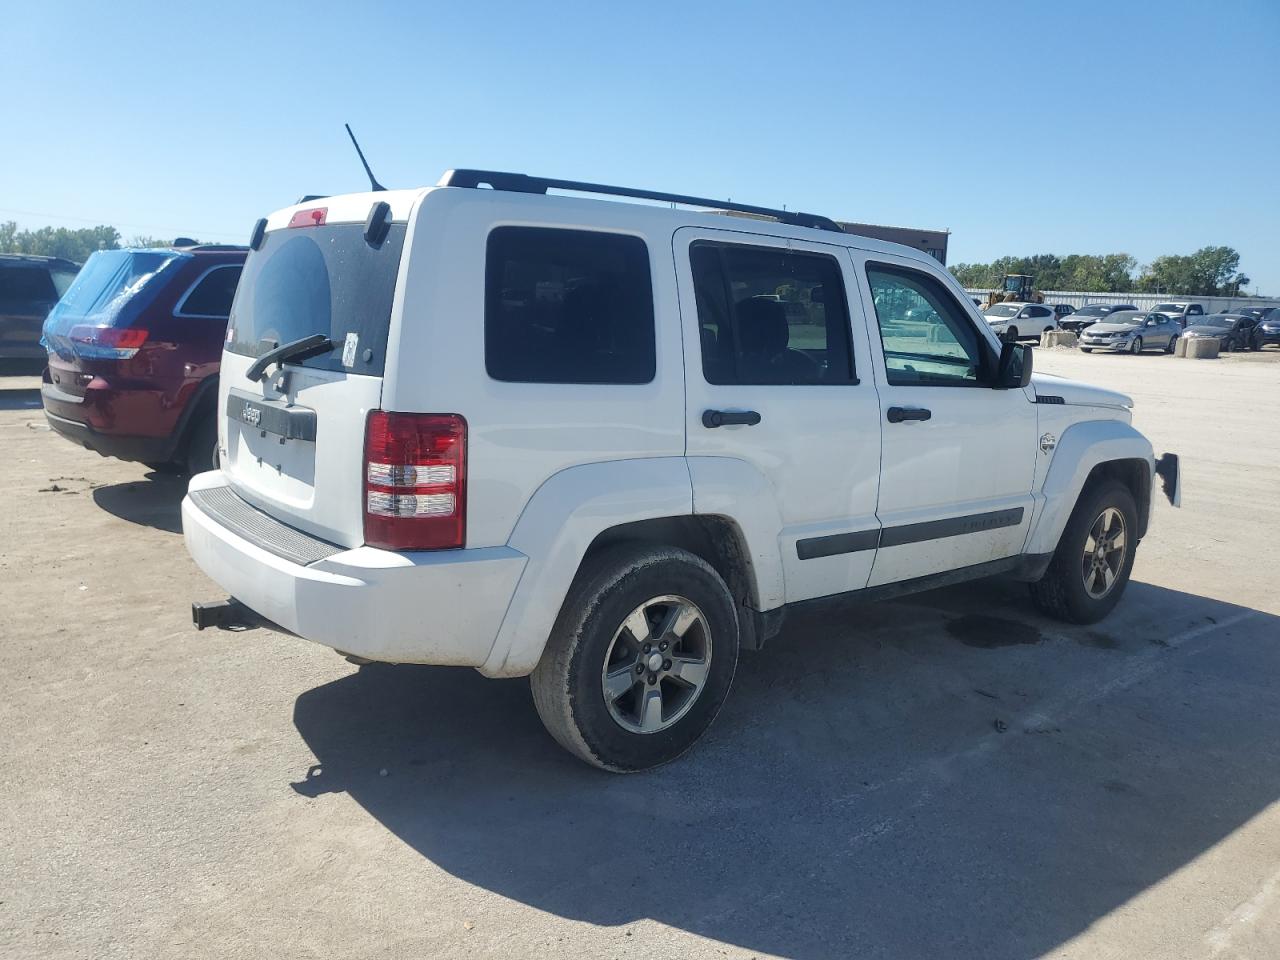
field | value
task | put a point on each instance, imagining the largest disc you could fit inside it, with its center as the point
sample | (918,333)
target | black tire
(568,682)
(202,444)
(1086,349)
(1061,593)
(1013,333)
(1136,346)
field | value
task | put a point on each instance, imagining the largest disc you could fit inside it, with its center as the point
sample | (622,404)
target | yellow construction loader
(1015,288)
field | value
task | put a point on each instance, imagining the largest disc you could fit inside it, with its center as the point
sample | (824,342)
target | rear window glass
(313,280)
(109,289)
(26,285)
(212,294)
(568,306)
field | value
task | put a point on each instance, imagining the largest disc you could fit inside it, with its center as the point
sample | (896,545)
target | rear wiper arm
(311,346)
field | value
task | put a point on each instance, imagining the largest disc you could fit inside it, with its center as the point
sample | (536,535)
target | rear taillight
(415,480)
(110,343)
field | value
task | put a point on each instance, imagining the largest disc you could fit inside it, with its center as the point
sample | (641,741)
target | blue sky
(1147,128)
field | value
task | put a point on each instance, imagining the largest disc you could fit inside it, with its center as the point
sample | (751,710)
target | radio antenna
(373,181)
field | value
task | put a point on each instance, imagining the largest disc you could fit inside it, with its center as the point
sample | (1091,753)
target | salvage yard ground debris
(949,775)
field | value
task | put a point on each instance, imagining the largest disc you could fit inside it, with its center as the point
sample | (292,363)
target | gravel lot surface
(947,776)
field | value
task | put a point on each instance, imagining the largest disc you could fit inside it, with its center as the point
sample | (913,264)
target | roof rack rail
(520,183)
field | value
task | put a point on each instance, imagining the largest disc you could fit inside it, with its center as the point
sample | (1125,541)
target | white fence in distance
(1143,301)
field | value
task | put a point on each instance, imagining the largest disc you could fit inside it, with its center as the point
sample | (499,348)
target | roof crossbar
(520,183)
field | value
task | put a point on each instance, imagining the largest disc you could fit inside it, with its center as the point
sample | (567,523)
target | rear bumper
(433,607)
(145,449)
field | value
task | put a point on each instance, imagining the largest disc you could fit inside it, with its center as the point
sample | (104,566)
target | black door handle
(899,414)
(724,418)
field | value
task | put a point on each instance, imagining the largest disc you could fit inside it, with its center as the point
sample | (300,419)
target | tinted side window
(771,316)
(1195,310)
(568,306)
(212,296)
(928,340)
(20,285)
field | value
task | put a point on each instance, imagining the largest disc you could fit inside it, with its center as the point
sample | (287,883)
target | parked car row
(1123,328)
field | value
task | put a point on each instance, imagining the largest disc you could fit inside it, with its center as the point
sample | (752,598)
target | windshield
(1129,317)
(326,280)
(1003,310)
(1168,308)
(108,291)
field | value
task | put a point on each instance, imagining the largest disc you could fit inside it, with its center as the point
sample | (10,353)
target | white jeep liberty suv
(608,444)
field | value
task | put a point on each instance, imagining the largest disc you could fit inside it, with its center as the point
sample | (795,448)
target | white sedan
(1014,320)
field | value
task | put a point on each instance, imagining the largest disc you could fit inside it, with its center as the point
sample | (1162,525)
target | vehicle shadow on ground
(952,776)
(153,502)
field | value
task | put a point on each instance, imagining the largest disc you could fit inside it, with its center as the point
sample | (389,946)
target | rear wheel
(1136,346)
(202,445)
(1091,566)
(1086,349)
(640,660)
(1226,345)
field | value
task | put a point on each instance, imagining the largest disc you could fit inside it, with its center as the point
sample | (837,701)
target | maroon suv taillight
(415,480)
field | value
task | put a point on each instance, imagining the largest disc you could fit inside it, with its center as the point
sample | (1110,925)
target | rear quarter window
(212,294)
(568,306)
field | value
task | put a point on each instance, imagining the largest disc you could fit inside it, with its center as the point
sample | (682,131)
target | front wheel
(640,659)
(1091,566)
(1086,349)
(1012,334)
(1226,345)
(1168,347)
(1136,346)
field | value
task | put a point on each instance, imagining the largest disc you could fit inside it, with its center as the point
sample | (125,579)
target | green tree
(75,245)
(1210,271)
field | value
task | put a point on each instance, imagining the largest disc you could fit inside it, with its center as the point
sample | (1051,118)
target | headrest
(762,326)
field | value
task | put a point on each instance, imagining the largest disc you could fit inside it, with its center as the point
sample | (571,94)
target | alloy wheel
(657,664)
(1105,549)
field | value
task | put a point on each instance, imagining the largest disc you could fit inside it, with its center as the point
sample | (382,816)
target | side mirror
(1014,366)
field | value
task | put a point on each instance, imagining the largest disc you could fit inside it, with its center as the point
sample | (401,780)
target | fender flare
(1083,446)
(556,527)
(737,490)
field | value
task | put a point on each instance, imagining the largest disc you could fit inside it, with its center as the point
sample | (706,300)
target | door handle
(899,414)
(725,418)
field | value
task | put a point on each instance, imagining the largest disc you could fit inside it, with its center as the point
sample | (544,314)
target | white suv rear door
(782,417)
(958,457)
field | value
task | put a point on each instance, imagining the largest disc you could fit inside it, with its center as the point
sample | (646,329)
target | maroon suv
(134,346)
